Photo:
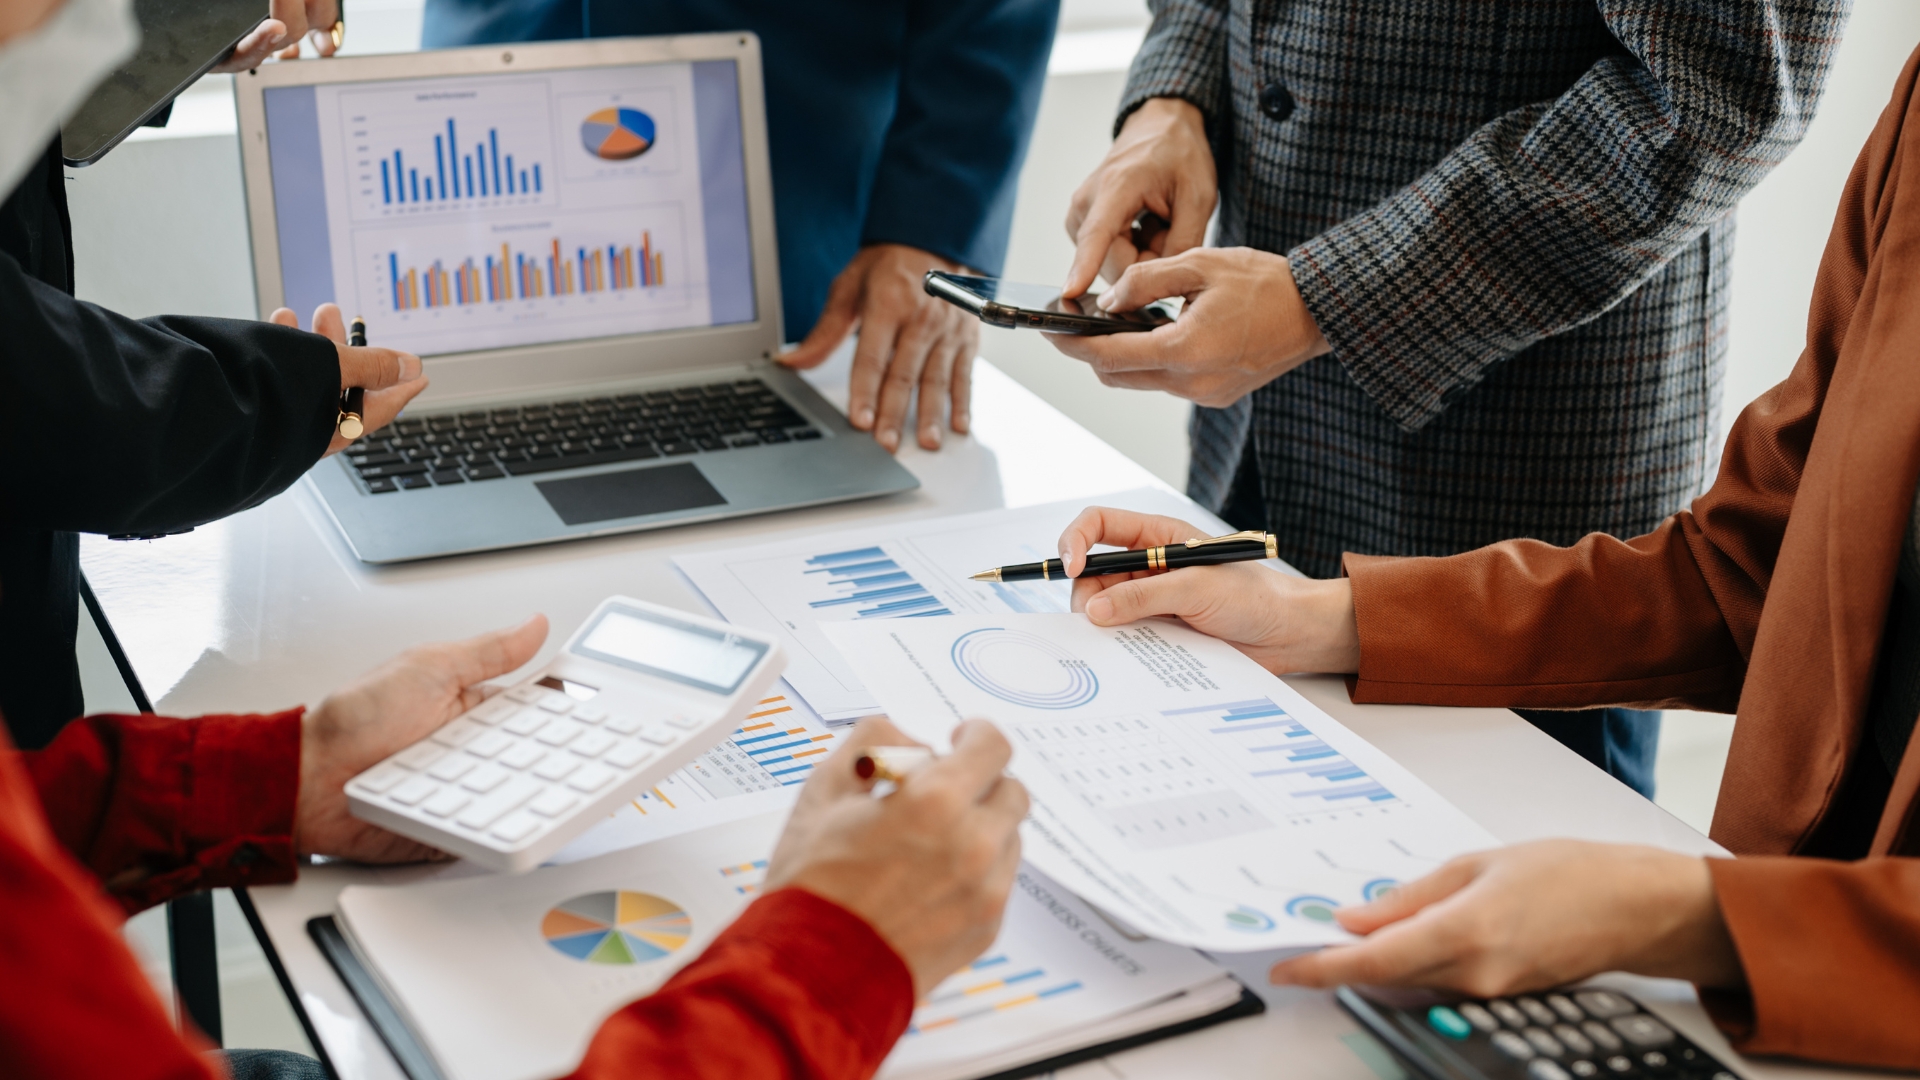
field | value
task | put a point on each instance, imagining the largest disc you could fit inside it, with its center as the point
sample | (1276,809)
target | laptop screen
(488,211)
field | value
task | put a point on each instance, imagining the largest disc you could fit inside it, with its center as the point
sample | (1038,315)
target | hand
(907,339)
(928,866)
(394,707)
(279,34)
(1283,622)
(1244,325)
(391,378)
(1533,916)
(1160,163)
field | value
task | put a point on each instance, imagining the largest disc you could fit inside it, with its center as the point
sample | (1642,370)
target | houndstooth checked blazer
(1513,222)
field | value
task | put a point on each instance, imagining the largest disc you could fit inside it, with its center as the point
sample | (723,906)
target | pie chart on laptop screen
(616,927)
(617,133)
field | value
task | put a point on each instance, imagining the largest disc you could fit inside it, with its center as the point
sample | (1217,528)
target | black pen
(353,400)
(1234,547)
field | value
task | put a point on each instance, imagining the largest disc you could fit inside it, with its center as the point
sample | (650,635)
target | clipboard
(410,1052)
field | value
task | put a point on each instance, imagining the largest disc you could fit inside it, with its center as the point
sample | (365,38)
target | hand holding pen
(388,378)
(1285,622)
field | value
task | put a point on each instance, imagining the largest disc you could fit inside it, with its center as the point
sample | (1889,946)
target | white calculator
(639,691)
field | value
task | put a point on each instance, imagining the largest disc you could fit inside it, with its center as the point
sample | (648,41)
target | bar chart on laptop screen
(457,148)
(483,212)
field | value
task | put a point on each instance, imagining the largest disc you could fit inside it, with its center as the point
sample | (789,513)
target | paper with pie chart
(1176,783)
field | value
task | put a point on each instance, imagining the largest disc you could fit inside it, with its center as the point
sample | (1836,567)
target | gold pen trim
(988,575)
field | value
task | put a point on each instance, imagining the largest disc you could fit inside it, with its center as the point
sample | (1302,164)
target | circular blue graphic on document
(1024,669)
(1251,920)
(1312,908)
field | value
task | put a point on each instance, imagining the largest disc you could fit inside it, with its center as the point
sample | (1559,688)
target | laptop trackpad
(633,493)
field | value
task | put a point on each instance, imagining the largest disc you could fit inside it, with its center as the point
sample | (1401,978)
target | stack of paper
(507,978)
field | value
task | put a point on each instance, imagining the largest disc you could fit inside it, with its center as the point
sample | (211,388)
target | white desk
(269,608)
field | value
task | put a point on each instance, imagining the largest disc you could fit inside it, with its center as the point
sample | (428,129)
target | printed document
(1176,784)
(507,977)
(908,570)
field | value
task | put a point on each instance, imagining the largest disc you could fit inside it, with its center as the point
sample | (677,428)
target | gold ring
(339,32)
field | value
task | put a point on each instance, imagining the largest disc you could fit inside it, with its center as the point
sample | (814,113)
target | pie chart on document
(616,927)
(617,133)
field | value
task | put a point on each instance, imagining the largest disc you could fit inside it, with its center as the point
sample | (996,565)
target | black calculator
(1568,1034)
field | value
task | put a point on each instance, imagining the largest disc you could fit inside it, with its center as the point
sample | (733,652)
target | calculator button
(411,792)
(1448,1023)
(1575,1041)
(458,733)
(485,779)
(451,768)
(623,725)
(1512,1045)
(592,744)
(447,803)
(419,755)
(490,744)
(658,736)
(1544,1042)
(1566,1008)
(559,704)
(553,803)
(1584,1068)
(590,714)
(559,733)
(590,778)
(1642,1030)
(491,808)
(1508,1015)
(1619,1064)
(522,756)
(1603,1004)
(1654,1059)
(1542,1069)
(379,783)
(1536,1012)
(493,710)
(1479,1017)
(1602,1034)
(527,721)
(556,768)
(628,754)
(527,694)
(516,828)
(683,722)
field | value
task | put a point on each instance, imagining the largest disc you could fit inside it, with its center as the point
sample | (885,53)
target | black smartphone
(1569,1034)
(179,41)
(1037,307)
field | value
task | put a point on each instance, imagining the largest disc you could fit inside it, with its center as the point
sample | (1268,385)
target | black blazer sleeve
(118,425)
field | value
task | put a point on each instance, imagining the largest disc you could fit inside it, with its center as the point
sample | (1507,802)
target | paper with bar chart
(1175,782)
(475,213)
(911,569)
(758,768)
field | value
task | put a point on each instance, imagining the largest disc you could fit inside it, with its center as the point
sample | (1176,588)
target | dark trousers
(1624,742)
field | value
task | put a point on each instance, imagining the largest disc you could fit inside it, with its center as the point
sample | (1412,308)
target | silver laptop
(578,240)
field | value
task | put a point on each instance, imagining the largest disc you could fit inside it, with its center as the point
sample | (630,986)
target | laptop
(577,239)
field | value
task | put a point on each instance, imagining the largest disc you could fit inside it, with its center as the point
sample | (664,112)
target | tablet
(180,40)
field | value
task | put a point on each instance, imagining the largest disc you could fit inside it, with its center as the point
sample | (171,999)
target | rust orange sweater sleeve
(1832,955)
(798,987)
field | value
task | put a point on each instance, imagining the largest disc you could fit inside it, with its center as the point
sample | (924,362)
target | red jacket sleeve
(73,1001)
(158,807)
(797,987)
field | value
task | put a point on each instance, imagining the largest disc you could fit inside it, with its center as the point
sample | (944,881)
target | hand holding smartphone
(1037,307)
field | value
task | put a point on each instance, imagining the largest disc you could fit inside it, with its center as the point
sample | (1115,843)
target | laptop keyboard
(487,444)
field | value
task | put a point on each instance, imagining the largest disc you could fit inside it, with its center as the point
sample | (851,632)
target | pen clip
(1246,534)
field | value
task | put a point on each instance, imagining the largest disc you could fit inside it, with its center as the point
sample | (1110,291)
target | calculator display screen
(709,659)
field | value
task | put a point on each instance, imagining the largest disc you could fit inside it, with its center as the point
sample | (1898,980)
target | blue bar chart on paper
(869,585)
(1284,755)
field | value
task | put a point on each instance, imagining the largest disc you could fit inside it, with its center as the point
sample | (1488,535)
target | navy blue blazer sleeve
(969,90)
(117,425)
